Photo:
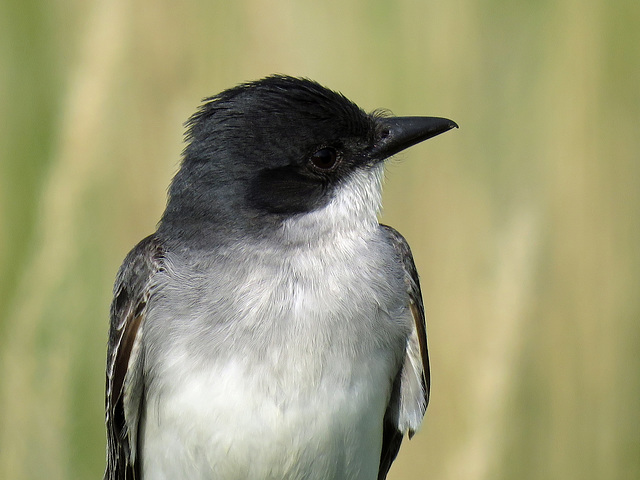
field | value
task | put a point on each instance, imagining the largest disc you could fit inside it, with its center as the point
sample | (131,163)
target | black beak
(399,133)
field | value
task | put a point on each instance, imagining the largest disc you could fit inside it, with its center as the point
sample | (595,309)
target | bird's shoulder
(411,278)
(399,243)
(143,260)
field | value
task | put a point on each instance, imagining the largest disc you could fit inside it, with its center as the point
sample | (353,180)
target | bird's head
(283,151)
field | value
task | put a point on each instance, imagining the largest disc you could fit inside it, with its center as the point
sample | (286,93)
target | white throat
(353,209)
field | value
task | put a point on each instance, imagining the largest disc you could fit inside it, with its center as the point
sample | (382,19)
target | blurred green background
(524,223)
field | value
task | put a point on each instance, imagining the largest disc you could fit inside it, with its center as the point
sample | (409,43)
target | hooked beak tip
(400,133)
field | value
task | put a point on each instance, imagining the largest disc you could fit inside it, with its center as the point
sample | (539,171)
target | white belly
(238,423)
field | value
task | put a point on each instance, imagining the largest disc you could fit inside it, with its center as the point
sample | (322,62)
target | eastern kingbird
(271,328)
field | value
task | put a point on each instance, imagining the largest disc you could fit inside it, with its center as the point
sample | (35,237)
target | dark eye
(325,158)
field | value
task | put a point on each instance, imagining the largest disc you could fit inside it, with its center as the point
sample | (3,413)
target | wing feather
(411,388)
(125,385)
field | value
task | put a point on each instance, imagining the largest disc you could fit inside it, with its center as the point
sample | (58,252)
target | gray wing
(125,383)
(410,395)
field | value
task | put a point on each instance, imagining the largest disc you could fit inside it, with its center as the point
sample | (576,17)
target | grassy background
(524,223)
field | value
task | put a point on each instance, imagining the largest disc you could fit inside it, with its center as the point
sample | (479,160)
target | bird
(271,327)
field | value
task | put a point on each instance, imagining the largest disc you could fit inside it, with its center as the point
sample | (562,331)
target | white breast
(233,422)
(278,366)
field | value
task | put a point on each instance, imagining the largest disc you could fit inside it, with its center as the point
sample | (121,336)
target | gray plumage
(271,328)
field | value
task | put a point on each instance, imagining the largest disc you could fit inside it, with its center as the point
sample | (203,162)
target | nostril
(385,133)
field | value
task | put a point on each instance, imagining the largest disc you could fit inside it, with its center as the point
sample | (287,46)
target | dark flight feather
(392,436)
(128,311)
